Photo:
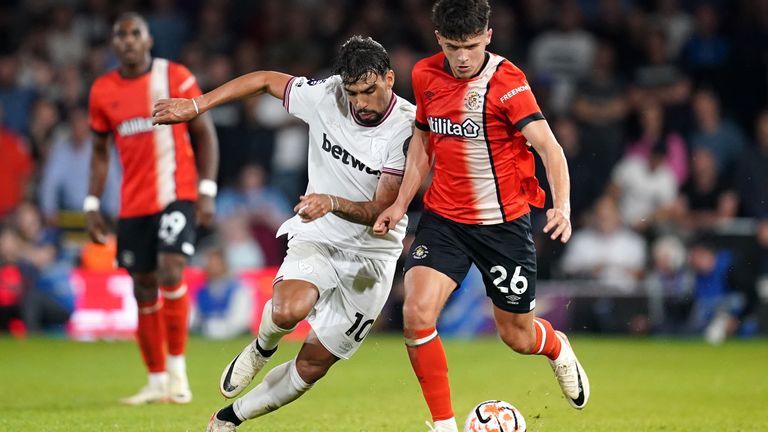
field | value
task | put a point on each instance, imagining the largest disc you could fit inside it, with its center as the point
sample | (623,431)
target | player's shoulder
(506,69)
(403,114)
(105,82)
(430,64)
(175,67)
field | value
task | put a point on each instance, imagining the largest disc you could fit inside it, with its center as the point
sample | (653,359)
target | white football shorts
(353,290)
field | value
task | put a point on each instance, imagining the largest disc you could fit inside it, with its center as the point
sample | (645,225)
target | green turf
(637,385)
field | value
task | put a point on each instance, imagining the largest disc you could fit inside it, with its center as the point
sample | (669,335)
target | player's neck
(130,71)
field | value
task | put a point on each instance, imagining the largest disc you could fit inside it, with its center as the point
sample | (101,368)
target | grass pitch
(637,385)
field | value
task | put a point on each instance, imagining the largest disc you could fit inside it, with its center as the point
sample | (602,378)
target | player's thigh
(506,257)
(137,244)
(344,316)
(435,265)
(426,291)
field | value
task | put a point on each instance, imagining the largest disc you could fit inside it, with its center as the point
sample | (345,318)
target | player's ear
(439,38)
(389,78)
(489,34)
(150,42)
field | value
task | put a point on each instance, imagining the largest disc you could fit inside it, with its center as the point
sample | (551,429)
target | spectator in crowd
(724,291)
(11,283)
(601,107)
(706,53)
(16,169)
(44,120)
(242,251)
(15,99)
(607,251)
(706,199)
(675,22)
(48,299)
(752,176)
(260,206)
(64,183)
(645,188)
(658,79)
(653,130)
(721,136)
(669,286)
(223,306)
(563,55)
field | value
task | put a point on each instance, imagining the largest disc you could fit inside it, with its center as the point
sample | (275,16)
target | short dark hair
(133,16)
(461,19)
(359,57)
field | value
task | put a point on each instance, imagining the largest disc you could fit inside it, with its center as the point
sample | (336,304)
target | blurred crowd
(661,107)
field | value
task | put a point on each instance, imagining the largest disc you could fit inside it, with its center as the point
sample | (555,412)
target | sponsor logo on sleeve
(508,95)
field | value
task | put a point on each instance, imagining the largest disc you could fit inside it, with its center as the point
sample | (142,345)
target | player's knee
(417,315)
(144,288)
(519,339)
(311,370)
(169,275)
(287,316)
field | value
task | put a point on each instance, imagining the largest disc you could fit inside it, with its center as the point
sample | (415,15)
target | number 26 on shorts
(517,284)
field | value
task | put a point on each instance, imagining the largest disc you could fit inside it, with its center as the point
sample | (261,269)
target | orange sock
(547,342)
(150,334)
(176,314)
(431,367)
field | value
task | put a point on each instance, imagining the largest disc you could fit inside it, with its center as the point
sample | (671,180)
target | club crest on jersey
(420,252)
(472,100)
(444,126)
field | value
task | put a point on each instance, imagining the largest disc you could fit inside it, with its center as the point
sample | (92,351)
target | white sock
(269,333)
(158,379)
(281,386)
(449,424)
(176,364)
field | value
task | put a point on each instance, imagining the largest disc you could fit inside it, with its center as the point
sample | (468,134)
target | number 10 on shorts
(362,330)
(517,284)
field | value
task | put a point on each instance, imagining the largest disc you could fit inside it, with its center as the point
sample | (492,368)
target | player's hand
(96,227)
(170,111)
(559,223)
(313,206)
(388,219)
(205,209)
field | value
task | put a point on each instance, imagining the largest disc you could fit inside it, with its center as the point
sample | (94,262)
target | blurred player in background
(162,197)
(337,273)
(476,118)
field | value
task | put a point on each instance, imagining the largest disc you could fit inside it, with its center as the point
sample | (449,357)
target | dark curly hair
(461,19)
(359,57)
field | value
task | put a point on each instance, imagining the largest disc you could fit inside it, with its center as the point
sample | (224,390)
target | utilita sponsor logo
(444,126)
(135,126)
(340,153)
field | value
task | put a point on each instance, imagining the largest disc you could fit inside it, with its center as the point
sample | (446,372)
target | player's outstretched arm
(314,206)
(178,110)
(207,155)
(543,141)
(99,170)
(417,167)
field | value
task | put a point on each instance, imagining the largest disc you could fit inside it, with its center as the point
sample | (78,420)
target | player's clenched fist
(388,219)
(176,110)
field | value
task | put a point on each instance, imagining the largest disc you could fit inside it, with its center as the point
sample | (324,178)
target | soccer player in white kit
(337,274)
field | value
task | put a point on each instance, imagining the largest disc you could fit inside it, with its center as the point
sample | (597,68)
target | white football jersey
(346,159)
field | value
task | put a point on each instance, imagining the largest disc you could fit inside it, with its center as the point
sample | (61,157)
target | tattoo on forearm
(366,212)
